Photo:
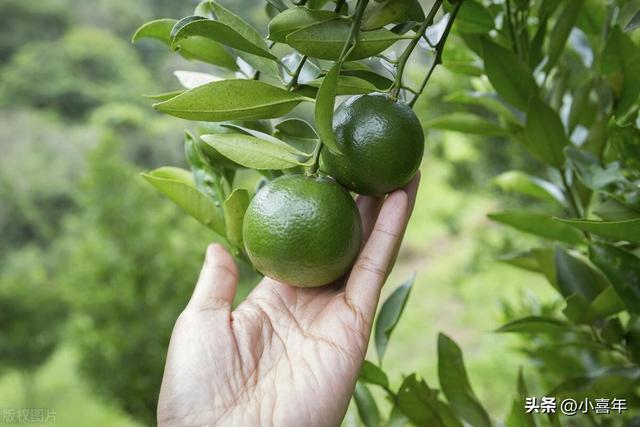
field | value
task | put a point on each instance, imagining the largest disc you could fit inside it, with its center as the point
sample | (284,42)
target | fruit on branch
(302,230)
(381,144)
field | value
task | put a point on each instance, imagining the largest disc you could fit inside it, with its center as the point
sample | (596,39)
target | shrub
(128,263)
(18,19)
(32,312)
(84,69)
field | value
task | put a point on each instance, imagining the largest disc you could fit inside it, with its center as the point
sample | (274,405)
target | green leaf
(632,338)
(622,268)
(348,85)
(528,185)
(195,48)
(627,230)
(455,384)
(617,381)
(397,418)
(535,325)
(295,127)
(298,134)
(540,260)
(634,23)
(544,132)
(561,30)
(590,172)
(205,50)
(231,100)
(326,40)
(204,9)
(418,402)
(474,18)
(525,260)
(229,18)
(605,305)
(278,4)
(372,374)
(159,29)
(255,153)
(540,225)
(487,100)
(509,76)
(325,101)
(518,417)
(389,316)
(621,64)
(614,210)
(379,14)
(221,33)
(575,276)
(580,310)
(294,19)
(267,138)
(178,185)
(380,82)
(466,123)
(448,415)
(234,209)
(191,154)
(232,20)
(366,405)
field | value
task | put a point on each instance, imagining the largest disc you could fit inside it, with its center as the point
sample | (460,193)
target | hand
(286,356)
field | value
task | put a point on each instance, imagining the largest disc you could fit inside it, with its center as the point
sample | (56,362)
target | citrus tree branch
(438,58)
(316,158)
(402,62)
(296,75)
(356,24)
(348,47)
(355,28)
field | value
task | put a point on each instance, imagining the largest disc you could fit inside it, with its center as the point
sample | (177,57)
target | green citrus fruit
(213,156)
(381,144)
(303,231)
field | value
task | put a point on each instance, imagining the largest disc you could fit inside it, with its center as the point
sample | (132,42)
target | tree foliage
(19,18)
(555,78)
(85,69)
(123,271)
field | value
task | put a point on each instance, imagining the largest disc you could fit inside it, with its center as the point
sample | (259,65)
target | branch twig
(438,58)
(402,62)
(294,79)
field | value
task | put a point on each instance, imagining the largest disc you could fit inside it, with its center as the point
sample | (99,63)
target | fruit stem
(402,62)
(316,160)
(355,27)
(439,49)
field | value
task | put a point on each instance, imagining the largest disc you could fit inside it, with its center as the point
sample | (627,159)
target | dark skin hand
(286,356)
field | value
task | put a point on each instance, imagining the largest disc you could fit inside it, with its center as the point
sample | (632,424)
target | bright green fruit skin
(381,142)
(302,231)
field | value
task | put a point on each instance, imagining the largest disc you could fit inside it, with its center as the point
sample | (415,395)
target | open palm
(286,356)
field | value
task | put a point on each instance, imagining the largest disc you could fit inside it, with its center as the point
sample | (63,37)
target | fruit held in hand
(381,142)
(302,231)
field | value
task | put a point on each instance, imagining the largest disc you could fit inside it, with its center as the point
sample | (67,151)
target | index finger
(375,261)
